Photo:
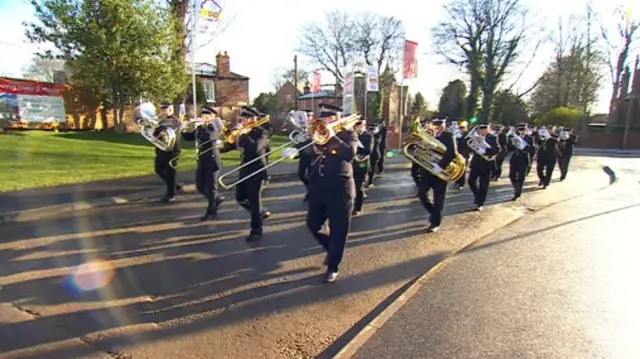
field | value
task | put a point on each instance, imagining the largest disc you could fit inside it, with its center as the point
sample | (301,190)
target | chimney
(222,64)
(307,88)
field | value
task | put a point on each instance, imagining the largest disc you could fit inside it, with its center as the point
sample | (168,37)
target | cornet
(149,123)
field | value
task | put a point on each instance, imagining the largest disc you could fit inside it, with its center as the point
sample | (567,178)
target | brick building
(286,96)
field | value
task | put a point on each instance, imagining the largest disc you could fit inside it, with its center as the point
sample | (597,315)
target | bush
(561,116)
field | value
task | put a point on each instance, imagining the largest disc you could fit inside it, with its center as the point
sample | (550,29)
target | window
(288,98)
(209,91)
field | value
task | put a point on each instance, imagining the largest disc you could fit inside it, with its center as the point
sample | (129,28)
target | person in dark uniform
(565,151)
(209,164)
(429,179)
(520,159)
(499,131)
(252,145)
(464,150)
(166,162)
(361,163)
(382,133)
(374,158)
(304,160)
(547,157)
(332,190)
(270,131)
(482,163)
(415,168)
(533,133)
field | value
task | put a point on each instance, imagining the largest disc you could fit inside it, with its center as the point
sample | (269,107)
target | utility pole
(633,98)
(295,79)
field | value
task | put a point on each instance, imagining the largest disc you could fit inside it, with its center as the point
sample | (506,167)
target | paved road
(560,283)
(167,285)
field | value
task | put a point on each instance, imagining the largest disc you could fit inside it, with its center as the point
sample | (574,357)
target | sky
(261,37)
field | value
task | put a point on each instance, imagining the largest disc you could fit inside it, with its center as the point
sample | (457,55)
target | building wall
(286,96)
(229,91)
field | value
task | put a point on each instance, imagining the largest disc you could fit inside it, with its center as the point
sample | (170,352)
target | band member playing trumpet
(547,156)
(331,186)
(565,150)
(361,163)
(521,146)
(499,131)
(464,150)
(252,144)
(165,162)
(429,179)
(485,147)
(209,165)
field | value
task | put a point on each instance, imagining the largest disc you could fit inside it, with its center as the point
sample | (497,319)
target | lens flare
(92,275)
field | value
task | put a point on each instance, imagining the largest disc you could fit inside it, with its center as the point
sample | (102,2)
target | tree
(509,109)
(342,38)
(418,104)
(452,100)
(43,69)
(121,49)
(282,75)
(485,38)
(561,116)
(266,102)
(618,52)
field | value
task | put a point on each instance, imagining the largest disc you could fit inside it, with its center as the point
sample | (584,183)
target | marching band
(339,156)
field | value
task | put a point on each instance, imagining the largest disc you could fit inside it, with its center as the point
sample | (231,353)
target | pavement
(146,280)
(32,205)
(559,283)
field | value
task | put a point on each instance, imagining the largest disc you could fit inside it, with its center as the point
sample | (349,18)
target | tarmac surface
(148,280)
(559,283)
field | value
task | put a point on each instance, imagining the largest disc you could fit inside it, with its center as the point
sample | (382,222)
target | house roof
(207,69)
(288,83)
(320,94)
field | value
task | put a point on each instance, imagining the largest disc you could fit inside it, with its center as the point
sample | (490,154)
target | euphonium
(477,144)
(322,132)
(149,123)
(423,148)
(543,134)
(300,122)
(516,141)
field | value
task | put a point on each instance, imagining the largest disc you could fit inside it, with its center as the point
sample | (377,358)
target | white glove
(289,153)
(436,169)
(482,151)
(217,143)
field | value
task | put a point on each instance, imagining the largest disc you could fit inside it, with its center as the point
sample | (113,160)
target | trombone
(321,133)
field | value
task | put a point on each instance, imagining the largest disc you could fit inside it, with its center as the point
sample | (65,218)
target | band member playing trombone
(331,185)
(547,156)
(565,150)
(361,163)
(374,158)
(521,146)
(429,179)
(209,165)
(165,168)
(252,145)
(485,147)
(499,132)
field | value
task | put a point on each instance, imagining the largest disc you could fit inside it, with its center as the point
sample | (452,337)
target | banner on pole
(315,84)
(372,79)
(410,61)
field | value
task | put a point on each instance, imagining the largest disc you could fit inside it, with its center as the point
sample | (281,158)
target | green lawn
(33,159)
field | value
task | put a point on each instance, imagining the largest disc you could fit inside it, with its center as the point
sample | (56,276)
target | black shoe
(179,188)
(330,277)
(356,213)
(210,213)
(433,229)
(252,237)
(168,199)
(219,200)
(540,184)
(265,214)
(544,187)
(479,208)
(515,198)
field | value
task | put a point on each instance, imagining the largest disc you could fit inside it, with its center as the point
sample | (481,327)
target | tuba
(477,143)
(424,149)
(515,140)
(321,132)
(149,123)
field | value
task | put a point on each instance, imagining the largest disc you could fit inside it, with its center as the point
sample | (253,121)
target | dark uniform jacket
(166,156)
(377,145)
(383,140)
(331,168)
(251,145)
(525,154)
(207,149)
(478,162)
(547,149)
(565,147)
(363,152)
(502,140)
(463,148)
(449,140)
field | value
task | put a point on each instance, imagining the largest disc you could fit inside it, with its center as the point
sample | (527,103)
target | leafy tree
(563,116)
(201,95)
(281,76)
(266,102)
(452,101)
(509,109)
(120,48)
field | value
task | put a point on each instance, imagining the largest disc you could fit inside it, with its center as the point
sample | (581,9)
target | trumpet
(424,149)
(477,143)
(149,123)
(216,126)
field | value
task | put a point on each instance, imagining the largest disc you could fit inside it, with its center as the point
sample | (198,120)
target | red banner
(26,87)
(410,63)
(315,85)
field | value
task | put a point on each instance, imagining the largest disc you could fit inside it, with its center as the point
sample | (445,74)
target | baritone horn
(148,121)
(515,139)
(423,148)
(477,143)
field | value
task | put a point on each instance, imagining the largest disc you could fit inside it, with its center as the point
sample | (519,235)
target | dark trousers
(415,173)
(380,165)
(544,167)
(479,179)
(497,172)
(373,166)
(303,165)
(439,188)
(563,164)
(359,176)
(338,211)
(531,157)
(249,196)
(518,173)
(463,179)
(207,184)
(167,174)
